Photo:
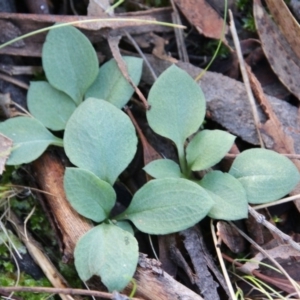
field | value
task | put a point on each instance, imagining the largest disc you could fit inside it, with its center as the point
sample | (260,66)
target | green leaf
(125,225)
(50,106)
(168,205)
(163,168)
(109,252)
(100,138)
(89,195)
(207,148)
(112,86)
(177,106)
(265,175)
(228,194)
(30,139)
(70,61)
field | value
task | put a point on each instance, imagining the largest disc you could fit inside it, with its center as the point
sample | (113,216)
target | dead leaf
(286,22)
(8,32)
(201,15)
(5,150)
(272,127)
(159,48)
(230,237)
(255,230)
(5,102)
(281,251)
(99,8)
(281,57)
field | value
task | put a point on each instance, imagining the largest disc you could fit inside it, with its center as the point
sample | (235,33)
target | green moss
(245,7)
(3,252)
(157,3)
(249,23)
(38,222)
(10,279)
(70,274)
(211,46)
(8,266)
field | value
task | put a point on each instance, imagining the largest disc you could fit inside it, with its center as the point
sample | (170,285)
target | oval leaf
(125,225)
(70,61)
(100,138)
(109,252)
(163,168)
(265,175)
(177,106)
(207,148)
(112,86)
(30,139)
(228,194)
(89,195)
(50,106)
(168,205)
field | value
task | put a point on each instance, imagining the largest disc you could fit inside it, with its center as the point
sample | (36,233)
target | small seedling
(100,140)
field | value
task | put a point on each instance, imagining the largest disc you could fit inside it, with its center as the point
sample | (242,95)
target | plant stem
(58,142)
(182,161)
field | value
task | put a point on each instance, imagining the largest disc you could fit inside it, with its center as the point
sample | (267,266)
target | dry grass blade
(284,200)
(182,51)
(245,77)
(293,283)
(221,261)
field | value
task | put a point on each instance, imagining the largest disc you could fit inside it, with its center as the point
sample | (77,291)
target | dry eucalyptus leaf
(272,127)
(286,22)
(282,59)
(200,14)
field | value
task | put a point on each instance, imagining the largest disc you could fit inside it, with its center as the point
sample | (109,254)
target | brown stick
(66,291)
(49,173)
